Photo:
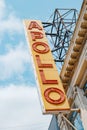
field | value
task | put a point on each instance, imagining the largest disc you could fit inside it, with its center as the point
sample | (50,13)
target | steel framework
(59,29)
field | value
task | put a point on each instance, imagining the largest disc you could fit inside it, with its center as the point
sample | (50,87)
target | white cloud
(20,109)
(19,105)
(2,8)
(9,22)
(11,25)
(13,62)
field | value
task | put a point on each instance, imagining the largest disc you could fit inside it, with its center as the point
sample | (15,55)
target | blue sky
(19,103)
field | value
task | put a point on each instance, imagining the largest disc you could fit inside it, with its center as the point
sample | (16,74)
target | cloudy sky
(19,103)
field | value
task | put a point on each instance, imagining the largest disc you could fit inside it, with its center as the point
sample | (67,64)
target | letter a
(34,24)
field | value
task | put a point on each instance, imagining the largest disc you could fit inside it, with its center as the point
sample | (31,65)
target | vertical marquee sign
(51,92)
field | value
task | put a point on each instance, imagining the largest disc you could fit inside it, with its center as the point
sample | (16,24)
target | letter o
(36,44)
(52,101)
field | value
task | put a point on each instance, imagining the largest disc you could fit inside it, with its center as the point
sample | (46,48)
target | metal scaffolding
(59,29)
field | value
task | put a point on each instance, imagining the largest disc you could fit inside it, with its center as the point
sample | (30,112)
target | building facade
(74,77)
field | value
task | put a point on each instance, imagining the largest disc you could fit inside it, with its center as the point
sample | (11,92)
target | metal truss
(59,29)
